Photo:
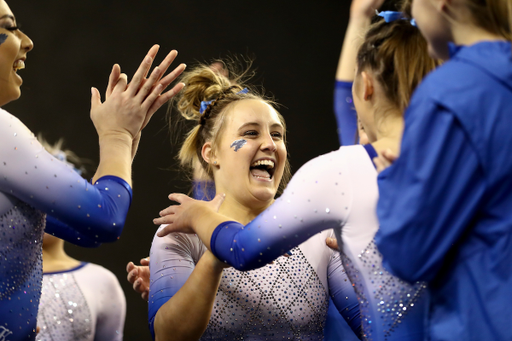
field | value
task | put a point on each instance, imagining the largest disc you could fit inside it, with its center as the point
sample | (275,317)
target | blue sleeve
(31,174)
(57,228)
(318,198)
(98,214)
(172,261)
(112,193)
(343,294)
(430,194)
(346,115)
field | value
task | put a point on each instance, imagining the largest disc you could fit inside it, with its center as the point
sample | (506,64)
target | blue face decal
(3,38)
(238,144)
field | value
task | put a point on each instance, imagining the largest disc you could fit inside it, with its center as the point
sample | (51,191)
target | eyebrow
(8,16)
(258,124)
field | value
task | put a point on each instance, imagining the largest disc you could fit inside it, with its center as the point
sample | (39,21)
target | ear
(207,153)
(367,85)
(441,5)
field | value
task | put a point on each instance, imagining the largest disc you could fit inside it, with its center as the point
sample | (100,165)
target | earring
(215,162)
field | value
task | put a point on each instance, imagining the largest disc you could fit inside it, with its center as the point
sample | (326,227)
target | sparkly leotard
(82,304)
(339,191)
(32,183)
(285,300)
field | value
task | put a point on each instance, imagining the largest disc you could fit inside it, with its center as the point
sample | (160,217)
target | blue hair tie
(205,104)
(390,16)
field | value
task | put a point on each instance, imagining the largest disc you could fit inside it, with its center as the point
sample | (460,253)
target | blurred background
(296,47)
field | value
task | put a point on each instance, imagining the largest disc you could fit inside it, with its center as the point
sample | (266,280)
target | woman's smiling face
(249,161)
(14,46)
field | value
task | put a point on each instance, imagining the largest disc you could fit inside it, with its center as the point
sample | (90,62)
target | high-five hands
(128,107)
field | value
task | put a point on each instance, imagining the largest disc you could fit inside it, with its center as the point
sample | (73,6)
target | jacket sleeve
(429,195)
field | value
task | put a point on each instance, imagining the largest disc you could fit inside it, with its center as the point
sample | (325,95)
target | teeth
(19,65)
(263,162)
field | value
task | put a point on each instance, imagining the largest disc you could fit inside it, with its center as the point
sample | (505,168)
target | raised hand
(364,8)
(180,218)
(129,107)
(138,276)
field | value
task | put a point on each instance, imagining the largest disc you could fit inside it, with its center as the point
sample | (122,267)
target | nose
(268,143)
(26,43)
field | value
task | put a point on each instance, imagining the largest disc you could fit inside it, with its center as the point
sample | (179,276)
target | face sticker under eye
(238,144)
(3,38)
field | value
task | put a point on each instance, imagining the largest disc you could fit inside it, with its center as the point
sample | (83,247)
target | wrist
(214,263)
(359,21)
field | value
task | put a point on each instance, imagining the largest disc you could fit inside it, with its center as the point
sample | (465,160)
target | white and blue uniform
(85,303)
(446,203)
(339,191)
(32,184)
(289,298)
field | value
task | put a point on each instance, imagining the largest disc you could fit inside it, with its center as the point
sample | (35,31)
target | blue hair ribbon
(205,104)
(390,16)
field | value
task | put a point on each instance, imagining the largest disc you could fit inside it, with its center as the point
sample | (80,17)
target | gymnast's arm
(181,293)
(34,176)
(343,294)
(57,228)
(361,11)
(425,206)
(317,198)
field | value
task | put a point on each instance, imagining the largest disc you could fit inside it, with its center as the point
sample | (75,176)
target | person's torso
(21,237)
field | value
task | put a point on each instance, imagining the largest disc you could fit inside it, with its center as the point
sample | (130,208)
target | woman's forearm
(186,315)
(354,36)
(115,157)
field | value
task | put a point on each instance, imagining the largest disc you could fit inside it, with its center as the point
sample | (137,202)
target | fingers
(138,286)
(133,275)
(173,75)
(179,198)
(164,65)
(142,71)
(112,80)
(130,266)
(95,98)
(332,243)
(165,231)
(145,89)
(389,155)
(168,211)
(165,220)
(144,261)
(218,200)
(121,84)
(162,99)
(149,85)
(145,295)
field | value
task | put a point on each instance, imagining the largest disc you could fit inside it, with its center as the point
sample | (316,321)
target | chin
(264,195)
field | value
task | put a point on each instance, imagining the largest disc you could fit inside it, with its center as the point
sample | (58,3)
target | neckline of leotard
(371,152)
(81,265)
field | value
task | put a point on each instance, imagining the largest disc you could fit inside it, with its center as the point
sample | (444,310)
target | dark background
(296,45)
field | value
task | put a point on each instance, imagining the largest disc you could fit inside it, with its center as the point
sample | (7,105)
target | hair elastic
(205,104)
(390,16)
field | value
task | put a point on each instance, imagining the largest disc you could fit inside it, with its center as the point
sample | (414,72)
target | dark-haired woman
(33,183)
